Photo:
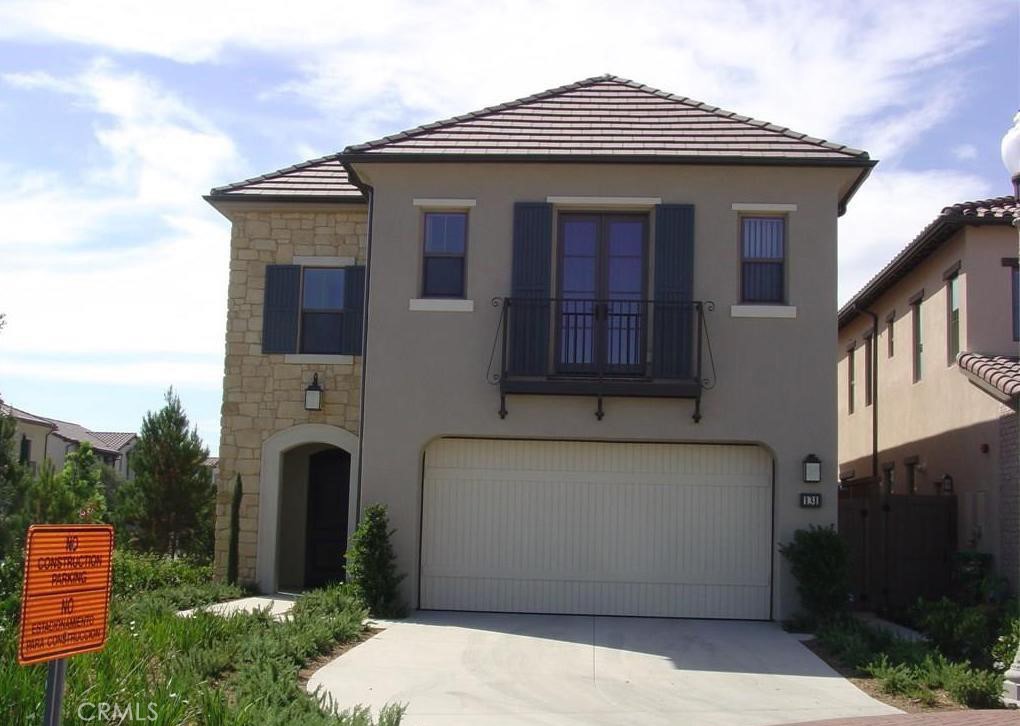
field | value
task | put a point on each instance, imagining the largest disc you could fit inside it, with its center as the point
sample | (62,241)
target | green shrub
(1006,644)
(975,688)
(962,632)
(372,565)
(820,564)
(233,550)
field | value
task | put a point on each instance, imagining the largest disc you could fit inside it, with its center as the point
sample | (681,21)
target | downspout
(369,192)
(874,389)
(874,452)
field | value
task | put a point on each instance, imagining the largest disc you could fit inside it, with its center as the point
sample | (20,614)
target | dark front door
(601,311)
(326,531)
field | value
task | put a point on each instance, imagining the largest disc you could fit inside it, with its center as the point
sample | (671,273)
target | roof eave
(397,157)
(936,233)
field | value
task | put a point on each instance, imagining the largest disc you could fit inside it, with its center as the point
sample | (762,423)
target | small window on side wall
(445,247)
(763,260)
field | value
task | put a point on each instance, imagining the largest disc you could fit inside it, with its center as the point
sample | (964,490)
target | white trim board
(444,203)
(313,261)
(763,311)
(319,359)
(606,201)
(441,305)
(762,207)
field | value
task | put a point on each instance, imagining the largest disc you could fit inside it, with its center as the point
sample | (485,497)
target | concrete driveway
(483,669)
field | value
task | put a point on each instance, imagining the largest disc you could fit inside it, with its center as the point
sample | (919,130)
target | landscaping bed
(205,669)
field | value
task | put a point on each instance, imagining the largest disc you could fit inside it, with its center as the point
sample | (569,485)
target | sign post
(65,601)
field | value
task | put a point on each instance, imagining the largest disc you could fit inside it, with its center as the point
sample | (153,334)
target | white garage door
(671,530)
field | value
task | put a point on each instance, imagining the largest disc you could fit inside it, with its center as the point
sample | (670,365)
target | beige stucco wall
(264,394)
(426,371)
(944,420)
(36,433)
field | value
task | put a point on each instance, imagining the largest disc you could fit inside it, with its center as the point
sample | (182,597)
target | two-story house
(39,439)
(929,378)
(594,374)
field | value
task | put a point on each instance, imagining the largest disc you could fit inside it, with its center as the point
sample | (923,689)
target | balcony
(572,346)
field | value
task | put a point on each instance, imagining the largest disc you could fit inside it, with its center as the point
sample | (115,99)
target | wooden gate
(901,546)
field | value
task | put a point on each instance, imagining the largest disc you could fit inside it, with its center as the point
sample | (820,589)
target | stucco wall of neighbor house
(942,419)
(426,371)
(263,394)
(990,332)
(36,433)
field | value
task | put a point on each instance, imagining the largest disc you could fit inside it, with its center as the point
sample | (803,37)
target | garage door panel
(580,527)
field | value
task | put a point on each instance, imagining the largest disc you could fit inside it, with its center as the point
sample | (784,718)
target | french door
(601,308)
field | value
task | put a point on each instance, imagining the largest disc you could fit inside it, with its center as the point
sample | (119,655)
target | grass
(204,669)
(915,670)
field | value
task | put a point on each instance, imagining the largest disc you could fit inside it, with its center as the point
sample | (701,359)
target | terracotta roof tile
(324,179)
(607,116)
(999,371)
(999,210)
(115,439)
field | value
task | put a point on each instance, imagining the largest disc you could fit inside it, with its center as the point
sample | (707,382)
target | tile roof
(116,439)
(996,211)
(25,416)
(612,117)
(78,433)
(999,371)
(322,179)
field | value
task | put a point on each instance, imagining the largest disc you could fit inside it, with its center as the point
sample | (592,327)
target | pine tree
(164,508)
(14,482)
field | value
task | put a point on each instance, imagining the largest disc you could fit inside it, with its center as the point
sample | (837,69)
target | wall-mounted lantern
(313,395)
(947,484)
(812,469)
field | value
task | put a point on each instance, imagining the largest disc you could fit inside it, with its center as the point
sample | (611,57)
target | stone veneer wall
(261,393)
(1009,496)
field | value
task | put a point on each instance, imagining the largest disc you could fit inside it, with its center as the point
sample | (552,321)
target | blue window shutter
(281,308)
(529,317)
(674,283)
(354,311)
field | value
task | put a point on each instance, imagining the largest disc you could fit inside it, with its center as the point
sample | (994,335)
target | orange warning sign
(65,602)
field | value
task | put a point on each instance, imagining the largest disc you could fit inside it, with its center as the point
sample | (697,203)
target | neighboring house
(596,357)
(942,371)
(39,438)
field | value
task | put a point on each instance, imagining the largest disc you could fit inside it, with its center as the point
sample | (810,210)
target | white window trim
(319,359)
(605,201)
(762,207)
(307,261)
(441,305)
(763,311)
(445,203)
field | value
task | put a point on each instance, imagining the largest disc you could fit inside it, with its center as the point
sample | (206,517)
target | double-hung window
(763,260)
(322,309)
(445,249)
(1015,282)
(869,373)
(917,329)
(952,318)
(851,379)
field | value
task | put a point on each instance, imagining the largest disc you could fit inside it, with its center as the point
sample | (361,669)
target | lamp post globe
(1010,149)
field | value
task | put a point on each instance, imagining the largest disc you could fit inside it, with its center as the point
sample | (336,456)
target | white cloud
(965,152)
(823,68)
(123,257)
(889,211)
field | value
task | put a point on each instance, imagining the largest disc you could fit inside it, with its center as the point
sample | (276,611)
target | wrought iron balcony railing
(580,346)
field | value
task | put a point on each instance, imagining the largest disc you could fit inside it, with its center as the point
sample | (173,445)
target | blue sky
(114,122)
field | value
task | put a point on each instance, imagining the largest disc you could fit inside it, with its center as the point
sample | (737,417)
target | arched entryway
(307,506)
